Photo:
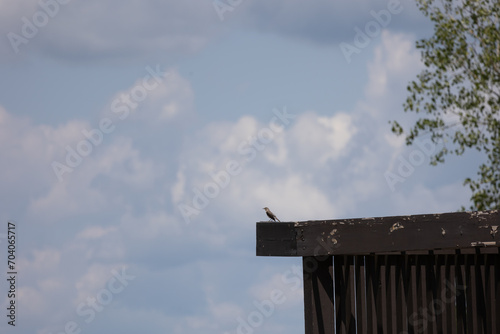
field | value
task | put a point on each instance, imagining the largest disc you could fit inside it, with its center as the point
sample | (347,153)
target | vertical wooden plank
(383,303)
(374,294)
(412,294)
(440,305)
(361,319)
(318,294)
(401,295)
(371,294)
(470,294)
(449,294)
(350,295)
(492,294)
(496,292)
(394,312)
(489,287)
(427,284)
(479,274)
(420,294)
(381,300)
(343,269)
(340,304)
(431,303)
(460,293)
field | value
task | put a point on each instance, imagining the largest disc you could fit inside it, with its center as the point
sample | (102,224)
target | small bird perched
(271,215)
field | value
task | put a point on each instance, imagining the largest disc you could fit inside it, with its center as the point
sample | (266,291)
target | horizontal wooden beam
(382,234)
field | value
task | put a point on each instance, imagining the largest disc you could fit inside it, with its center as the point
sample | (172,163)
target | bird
(271,215)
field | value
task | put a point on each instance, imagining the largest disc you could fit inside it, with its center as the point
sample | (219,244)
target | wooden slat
(350,295)
(460,293)
(449,294)
(412,294)
(443,306)
(421,324)
(318,295)
(480,292)
(371,294)
(432,297)
(382,302)
(343,268)
(401,296)
(470,295)
(339,289)
(391,294)
(489,275)
(360,272)
(496,311)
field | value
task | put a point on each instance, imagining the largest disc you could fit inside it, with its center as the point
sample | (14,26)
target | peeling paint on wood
(396,226)
(483,243)
(493,231)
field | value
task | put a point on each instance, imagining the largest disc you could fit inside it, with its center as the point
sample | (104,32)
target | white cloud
(63,200)
(24,145)
(320,139)
(285,183)
(395,61)
(28,154)
(173,98)
(292,197)
(286,287)
(95,278)
(157,97)
(117,162)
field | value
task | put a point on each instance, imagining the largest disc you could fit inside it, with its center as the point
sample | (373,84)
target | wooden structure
(436,273)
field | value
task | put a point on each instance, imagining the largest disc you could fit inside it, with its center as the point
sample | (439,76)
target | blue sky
(141,140)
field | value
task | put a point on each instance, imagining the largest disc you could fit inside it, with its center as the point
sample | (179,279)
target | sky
(139,142)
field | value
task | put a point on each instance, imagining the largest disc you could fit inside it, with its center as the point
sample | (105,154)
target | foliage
(458,92)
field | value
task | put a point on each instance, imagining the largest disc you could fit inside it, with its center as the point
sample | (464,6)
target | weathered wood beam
(382,234)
